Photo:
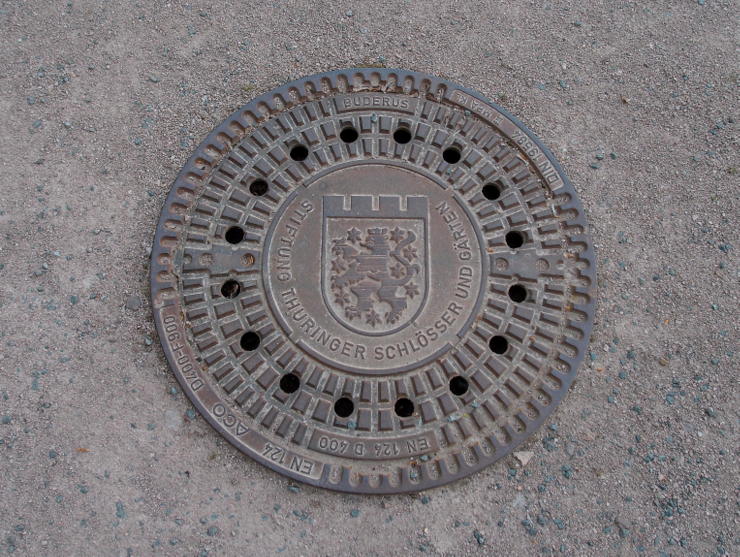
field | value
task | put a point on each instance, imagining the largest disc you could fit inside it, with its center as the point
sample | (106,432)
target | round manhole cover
(373,280)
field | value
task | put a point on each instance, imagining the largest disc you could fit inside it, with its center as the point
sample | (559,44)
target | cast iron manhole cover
(373,280)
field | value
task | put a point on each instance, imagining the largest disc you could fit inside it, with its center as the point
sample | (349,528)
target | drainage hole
(451,155)
(250,341)
(230,289)
(491,191)
(459,385)
(402,135)
(349,135)
(299,153)
(258,187)
(289,383)
(514,239)
(234,235)
(517,293)
(344,407)
(498,344)
(404,407)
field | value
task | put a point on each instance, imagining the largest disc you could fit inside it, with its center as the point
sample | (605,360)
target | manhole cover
(373,280)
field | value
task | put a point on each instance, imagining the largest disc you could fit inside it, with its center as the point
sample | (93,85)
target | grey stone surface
(101,454)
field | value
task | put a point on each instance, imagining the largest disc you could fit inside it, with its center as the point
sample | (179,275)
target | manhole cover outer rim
(214,144)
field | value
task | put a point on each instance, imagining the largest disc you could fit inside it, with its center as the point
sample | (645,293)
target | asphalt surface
(102,103)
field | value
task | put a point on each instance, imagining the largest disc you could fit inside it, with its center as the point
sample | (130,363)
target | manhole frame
(472,102)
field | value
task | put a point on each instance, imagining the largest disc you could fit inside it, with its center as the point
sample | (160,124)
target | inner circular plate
(373,280)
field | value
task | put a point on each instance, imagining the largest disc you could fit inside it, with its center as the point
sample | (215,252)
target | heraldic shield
(375,260)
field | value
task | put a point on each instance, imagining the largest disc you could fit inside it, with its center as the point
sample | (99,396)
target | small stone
(349,13)
(154,79)
(480,538)
(120,511)
(133,303)
(523,457)
(663,361)
(6,420)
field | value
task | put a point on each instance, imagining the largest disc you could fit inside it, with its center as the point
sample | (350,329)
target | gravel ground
(100,452)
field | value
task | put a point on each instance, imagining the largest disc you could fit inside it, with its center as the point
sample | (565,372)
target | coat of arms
(374,267)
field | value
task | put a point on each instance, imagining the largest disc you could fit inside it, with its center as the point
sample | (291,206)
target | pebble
(133,303)
(120,510)
(524,457)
